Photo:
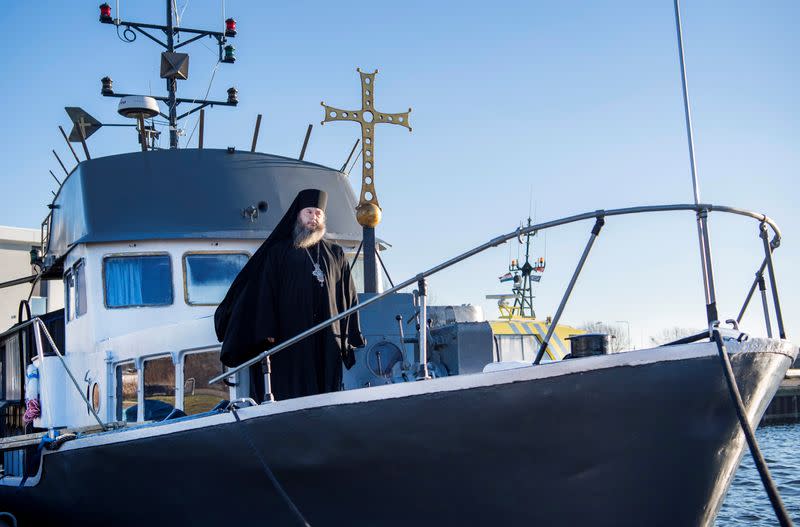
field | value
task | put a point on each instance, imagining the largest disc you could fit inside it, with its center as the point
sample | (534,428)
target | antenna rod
(54,177)
(69,145)
(172,83)
(202,128)
(60,163)
(687,110)
(702,216)
(142,133)
(305,142)
(255,133)
(344,166)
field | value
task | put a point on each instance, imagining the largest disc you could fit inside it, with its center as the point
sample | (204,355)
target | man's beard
(305,237)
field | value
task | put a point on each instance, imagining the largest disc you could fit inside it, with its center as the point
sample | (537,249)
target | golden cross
(368,211)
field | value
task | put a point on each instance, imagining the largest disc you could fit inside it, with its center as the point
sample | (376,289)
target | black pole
(255,133)
(172,84)
(749,296)
(305,142)
(202,129)
(60,163)
(761,465)
(772,282)
(598,226)
(370,264)
(762,287)
(344,166)
(69,144)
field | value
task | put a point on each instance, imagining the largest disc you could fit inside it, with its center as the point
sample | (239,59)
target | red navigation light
(105,13)
(230,27)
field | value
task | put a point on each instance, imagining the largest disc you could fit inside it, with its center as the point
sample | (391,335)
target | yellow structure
(519,338)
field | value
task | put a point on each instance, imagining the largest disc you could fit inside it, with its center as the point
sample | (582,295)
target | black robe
(313,365)
(276,296)
(280,300)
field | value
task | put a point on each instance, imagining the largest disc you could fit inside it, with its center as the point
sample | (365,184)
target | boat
(518,333)
(139,423)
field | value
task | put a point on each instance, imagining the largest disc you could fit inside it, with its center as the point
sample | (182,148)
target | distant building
(15,262)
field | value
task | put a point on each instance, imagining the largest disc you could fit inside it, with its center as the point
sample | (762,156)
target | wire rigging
(208,90)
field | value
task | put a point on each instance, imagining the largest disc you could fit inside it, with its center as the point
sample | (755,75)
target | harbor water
(746,503)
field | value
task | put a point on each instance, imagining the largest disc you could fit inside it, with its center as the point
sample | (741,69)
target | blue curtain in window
(138,281)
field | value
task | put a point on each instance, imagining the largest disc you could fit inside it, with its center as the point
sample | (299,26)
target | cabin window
(127,380)
(69,295)
(198,395)
(80,288)
(159,388)
(75,291)
(208,276)
(135,281)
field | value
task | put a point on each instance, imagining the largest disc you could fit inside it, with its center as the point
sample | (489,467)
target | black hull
(638,444)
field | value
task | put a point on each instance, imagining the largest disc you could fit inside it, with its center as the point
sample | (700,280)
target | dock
(785,406)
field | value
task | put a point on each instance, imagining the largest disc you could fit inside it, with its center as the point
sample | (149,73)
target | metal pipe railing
(494,242)
(749,296)
(553,323)
(40,327)
(772,280)
(762,287)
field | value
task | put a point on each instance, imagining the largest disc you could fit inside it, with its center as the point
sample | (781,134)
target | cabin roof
(188,193)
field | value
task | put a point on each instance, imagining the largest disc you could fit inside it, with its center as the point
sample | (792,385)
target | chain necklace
(317,272)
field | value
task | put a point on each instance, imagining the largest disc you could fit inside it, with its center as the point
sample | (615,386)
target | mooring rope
(761,464)
(270,475)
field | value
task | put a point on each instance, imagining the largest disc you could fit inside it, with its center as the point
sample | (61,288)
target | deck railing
(600,217)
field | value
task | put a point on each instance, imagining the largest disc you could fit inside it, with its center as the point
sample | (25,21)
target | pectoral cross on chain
(369,211)
(318,274)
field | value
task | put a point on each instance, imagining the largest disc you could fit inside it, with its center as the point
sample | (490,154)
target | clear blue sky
(578,101)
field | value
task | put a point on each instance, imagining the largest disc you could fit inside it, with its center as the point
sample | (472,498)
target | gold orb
(368,214)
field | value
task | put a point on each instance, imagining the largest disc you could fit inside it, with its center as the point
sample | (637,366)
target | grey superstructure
(188,193)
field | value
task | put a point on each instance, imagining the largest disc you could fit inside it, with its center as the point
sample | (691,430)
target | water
(746,503)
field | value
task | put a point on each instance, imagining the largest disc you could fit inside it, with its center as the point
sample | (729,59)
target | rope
(32,411)
(761,464)
(275,483)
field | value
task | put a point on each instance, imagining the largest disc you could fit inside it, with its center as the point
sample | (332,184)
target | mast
(174,65)
(172,83)
(522,278)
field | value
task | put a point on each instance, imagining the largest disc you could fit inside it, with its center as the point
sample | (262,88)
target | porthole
(96,397)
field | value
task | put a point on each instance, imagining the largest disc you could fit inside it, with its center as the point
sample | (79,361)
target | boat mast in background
(174,66)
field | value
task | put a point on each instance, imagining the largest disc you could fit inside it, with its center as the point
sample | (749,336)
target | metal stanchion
(772,281)
(764,303)
(266,366)
(422,286)
(749,296)
(598,225)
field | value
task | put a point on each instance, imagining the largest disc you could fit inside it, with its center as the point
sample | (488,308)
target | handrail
(38,329)
(19,327)
(702,207)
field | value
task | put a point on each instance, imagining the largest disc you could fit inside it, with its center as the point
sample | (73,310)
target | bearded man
(294,281)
